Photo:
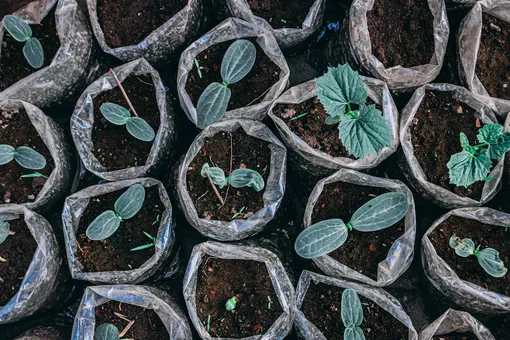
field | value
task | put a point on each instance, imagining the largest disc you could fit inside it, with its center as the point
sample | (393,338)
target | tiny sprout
(5,229)
(269,302)
(25,156)
(238,213)
(32,175)
(148,245)
(156,221)
(107,331)
(199,68)
(208,323)
(299,116)
(231,303)
(352,315)
(136,126)
(238,178)
(21,31)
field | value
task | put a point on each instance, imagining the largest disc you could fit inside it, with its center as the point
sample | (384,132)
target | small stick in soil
(230,171)
(198,199)
(214,186)
(78,244)
(123,92)
(263,94)
(2,260)
(123,317)
(12,233)
(125,330)
(1,280)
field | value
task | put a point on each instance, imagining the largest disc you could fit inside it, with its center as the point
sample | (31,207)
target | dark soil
(322,307)
(455,337)
(250,90)
(493,63)
(220,280)
(282,13)
(435,136)
(18,250)
(401,32)
(13,65)
(114,146)
(250,151)
(128,22)
(468,268)
(17,130)
(361,251)
(115,253)
(147,324)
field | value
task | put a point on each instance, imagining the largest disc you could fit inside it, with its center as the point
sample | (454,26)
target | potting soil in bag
(454,321)
(42,333)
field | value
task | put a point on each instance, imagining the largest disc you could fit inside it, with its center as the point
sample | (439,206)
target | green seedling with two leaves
(239,178)
(136,126)
(20,30)
(352,315)
(23,155)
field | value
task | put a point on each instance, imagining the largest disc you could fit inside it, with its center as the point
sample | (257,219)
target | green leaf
(463,248)
(212,104)
(352,311)
(238,61)
(499,141)
(17,28)
(367,134)
(231,303)
(339,87)
(130,202)
(106,331)
(34,53)
(217,175)
(491,263)
(33,175)
(464,141)
(140,129)
(332,120)
(115,114)
(354,333)
(104,226)
(381,212)
(246,178)
(5,229)
(29,158)
(321,238)
(7,154)
(466,168)
(146,246)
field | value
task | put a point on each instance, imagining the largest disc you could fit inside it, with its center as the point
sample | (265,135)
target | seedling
(33,175)
(324,237)
(488,258)
(231,303)
(352,315)
(299,116)
(199,68)
(363,131)
(127,205)
(136,126)
(238,213)
(238,178)
(148,245)
(21,31)
(107,331)
(5,230)
(236,64)
(25,156)
(474,163)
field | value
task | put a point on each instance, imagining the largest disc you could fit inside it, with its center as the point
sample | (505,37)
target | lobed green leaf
(238,61)
(114,113)
(18,28)
(7,154)
(491,263)
(5,229)
(212,104)
(466,168)
(106,331)
(381,212)
(217,175)
(352,311)
(34,53)
(130,202)
(321,238)
(463,248)
(246,178)
(497,140)
(29,158)
(104,226)
(140,129)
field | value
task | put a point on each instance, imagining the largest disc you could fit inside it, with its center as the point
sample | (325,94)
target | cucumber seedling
(239,178)
(352,315)
(21,31)
(23,155)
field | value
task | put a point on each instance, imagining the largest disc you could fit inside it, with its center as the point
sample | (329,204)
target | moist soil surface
(13,65)
(435,136)
(282,13)
(250,90)
(147,323)
(18,250)
(17,130)
(115,253)
(219,280)
(401,32)
(246,150)
(455,337)
(322,307)
(128,22)
(468,268)
(114,146)
(362,251)
(493,63)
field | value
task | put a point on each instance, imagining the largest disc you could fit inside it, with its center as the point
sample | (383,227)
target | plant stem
(123,92)
(214,186)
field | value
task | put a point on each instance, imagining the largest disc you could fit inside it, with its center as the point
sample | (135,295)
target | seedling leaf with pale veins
(136,126)
(24,156)
(352,315)
(21,31)
(239,178)
(5,229)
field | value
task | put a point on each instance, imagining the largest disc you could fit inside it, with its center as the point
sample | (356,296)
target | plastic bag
(413,169)
(76,204)
(468,42)
(42,333)
(319,162)
(306,330)
(454,321)
(273,192)
(82,122)
(168,311)
(232,29)
(466,294)
(58,182)
(40,287)
(56,82)
(286,37)
(401,253)
(283,287)
(397,77)
(162,43)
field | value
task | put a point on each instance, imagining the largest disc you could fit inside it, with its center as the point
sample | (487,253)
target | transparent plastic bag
(413,169)
(282,284)
(306,330)
(273,192)
(163,305)
(76,204)
(40,288)
(454,321)
(397,77)
(42,333)
(232,29)
(82,124)
(56,82)
(465,294)
(58,182)
(286,37)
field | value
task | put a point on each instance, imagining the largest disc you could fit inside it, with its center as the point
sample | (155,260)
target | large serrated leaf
(212,104)
(130,202)
(106,331)
(499,141)
(466,168)
(463,248)
(491,263)
(29,158)
(381,212)
(34,53)
(17,28)
(321,238)
(246,178)
(238,61)
(104,226)
(5,229)
(354,333)
(140,129)
(114,113)
(7,153)
(217,175)
(352,311)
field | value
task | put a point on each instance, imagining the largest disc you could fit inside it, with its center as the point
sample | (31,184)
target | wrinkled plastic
(286,37)
(401,252)
(232,29)
(454,321)
(160,45)
(307,330)
(397,77)
(159,301)
(42,333)
(236,229)
(60,178)
(413,170)
(76,204)
(465,294)
(282,285)
(40,287)
(319,162)
(468,42)
(56,82)
(82,123)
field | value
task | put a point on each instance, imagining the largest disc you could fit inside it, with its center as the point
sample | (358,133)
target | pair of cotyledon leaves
(21,31)
(238,178)
(5,229)
(352,315)
(136,126)
(25,156)
(236,64)
(324,237)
